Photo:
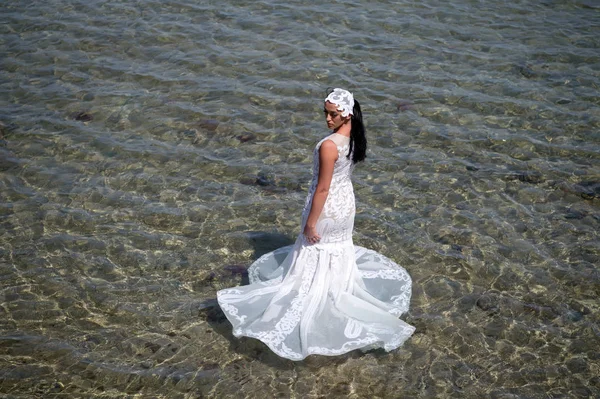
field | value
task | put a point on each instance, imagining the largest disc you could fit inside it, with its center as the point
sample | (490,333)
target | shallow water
(149,151)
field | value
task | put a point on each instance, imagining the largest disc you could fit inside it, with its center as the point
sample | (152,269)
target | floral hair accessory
(343,99)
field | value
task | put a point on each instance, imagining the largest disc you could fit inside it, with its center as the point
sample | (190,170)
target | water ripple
(149,151)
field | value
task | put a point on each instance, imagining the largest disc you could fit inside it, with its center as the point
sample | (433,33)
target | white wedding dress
(326,298)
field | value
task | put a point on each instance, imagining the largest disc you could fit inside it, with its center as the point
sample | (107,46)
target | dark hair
(358,140)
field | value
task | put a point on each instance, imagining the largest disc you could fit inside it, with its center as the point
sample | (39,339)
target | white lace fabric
(327,298)
(343,99)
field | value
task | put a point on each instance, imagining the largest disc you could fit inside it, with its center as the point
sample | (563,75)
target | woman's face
(333,116)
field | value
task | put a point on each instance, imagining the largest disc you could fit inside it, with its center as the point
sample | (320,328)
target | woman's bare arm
(328,154)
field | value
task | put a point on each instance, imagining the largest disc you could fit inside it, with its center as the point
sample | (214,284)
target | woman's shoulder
(338,140)
(328,145)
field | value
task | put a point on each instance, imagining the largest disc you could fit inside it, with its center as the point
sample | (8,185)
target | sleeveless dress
(327,298)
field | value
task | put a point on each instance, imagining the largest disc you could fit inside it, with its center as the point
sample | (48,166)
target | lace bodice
(343,165)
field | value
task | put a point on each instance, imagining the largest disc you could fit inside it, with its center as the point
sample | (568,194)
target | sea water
(151,150)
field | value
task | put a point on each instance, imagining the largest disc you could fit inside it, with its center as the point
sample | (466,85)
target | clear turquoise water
(149,151)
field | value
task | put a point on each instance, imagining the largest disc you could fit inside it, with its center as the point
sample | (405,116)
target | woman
(324,295)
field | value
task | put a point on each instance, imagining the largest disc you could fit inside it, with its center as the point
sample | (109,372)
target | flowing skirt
(325,299)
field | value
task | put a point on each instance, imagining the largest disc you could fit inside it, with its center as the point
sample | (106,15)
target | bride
(324,295)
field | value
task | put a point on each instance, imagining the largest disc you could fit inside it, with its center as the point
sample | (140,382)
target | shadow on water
(263,242)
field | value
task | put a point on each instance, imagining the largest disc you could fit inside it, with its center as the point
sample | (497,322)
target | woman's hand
(311,235)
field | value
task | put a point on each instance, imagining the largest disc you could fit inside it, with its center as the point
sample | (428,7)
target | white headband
(343,99)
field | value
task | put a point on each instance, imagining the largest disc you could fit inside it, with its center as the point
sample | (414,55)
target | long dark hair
(358,139)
